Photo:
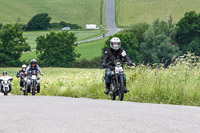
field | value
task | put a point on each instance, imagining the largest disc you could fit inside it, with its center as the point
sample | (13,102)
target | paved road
(40,114)
(110,21)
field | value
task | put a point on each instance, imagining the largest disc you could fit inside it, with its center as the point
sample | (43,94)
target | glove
(103,64)
(41,74)
(131,64)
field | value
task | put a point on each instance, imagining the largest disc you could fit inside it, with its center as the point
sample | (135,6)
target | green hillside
(73,11)
(80,34)
(134,11)
(87,50)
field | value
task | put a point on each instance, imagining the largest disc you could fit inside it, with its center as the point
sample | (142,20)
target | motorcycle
(33,83)
(24,80)
(117,86)
(6,84)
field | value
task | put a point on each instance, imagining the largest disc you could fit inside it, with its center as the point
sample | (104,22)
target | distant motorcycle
(5,84)
(33,83)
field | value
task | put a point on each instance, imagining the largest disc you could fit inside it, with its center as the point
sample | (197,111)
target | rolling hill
(135,11)
(73,11)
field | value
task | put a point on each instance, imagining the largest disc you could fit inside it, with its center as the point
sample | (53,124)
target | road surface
(110,21)
(46,114)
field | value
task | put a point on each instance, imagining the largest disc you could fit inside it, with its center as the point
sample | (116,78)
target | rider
(22,75)
(4,75)
(33,66)
(114,52)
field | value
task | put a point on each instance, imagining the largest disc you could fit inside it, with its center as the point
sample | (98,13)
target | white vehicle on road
(92,26)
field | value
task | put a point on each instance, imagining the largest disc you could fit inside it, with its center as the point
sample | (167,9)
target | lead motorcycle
(33,83)
(117,81)
(5,84)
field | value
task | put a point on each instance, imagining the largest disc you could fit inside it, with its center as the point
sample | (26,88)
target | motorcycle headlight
(118,70)
(5,82)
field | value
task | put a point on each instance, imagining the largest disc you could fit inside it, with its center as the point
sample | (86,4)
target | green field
(135,11)
(178,84)
(73,11)
(80,34)
(87,50)
(28,56)
(91,49)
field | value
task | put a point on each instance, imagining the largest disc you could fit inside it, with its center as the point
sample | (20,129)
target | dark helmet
(33,61)
(5,73)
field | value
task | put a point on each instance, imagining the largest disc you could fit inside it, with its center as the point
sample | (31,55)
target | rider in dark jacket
(29,71)
(33,66)
(113,53)
(22,75)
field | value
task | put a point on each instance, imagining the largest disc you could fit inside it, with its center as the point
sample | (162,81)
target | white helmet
(115,40)
(23,66)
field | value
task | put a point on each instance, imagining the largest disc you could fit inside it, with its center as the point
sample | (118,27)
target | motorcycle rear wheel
(6,92)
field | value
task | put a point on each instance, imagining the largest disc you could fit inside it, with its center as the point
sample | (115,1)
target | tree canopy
(57,49)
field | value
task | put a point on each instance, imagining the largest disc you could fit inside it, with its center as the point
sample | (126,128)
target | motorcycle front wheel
(113,96)
(121,90)
(6,91)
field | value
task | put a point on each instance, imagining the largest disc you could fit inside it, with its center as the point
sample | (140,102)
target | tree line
(160,42)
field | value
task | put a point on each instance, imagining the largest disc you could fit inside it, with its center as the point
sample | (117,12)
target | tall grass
(178,84)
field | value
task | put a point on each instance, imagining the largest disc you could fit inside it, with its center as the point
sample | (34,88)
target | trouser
(108,75)
(21,83)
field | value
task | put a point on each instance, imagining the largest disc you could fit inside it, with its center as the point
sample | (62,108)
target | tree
(138,31)
(40,21)
(188,30)
(1,25)
(57,49)
(128,42)
(158,45)
(12,44)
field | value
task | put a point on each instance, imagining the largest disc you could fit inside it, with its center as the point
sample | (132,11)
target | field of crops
(135,11)
(178,84)
(79,11)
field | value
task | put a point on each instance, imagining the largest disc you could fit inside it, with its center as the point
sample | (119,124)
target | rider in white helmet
(114,52)
(22,75)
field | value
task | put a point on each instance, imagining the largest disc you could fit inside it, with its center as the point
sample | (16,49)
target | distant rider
(29,71)
(22,75)
(33,66)
(4,75)
(114,52)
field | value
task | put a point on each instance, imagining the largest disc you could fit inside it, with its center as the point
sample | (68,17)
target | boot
(107,88)
(125,89)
